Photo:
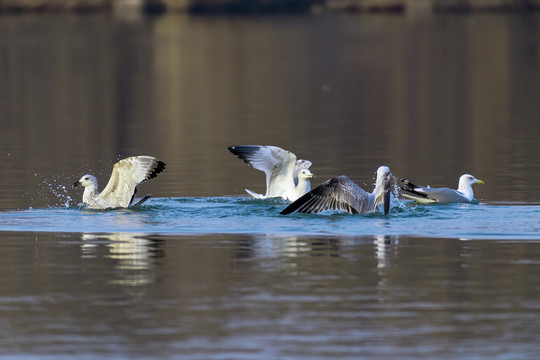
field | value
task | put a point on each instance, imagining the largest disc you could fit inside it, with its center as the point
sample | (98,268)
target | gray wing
(339,193)
(126,175)
(427,195)
(278,165)
(442,195)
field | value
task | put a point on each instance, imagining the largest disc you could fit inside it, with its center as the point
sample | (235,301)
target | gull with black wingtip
(286,177)
(120,191)
(342,194)
(442,195)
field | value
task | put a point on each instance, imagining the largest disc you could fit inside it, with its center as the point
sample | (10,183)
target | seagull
(120,191)
(286,177)
(342,194)
(428,195)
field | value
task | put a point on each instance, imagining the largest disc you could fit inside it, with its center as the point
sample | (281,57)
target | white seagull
(342,194)
(122,186)
(429,195)
(286,177)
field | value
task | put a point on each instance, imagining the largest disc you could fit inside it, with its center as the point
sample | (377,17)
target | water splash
(396,201)
(59,191)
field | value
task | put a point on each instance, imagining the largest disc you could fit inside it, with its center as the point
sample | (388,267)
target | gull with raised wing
(286,177)
(120,191)
(429,195)
(342,194)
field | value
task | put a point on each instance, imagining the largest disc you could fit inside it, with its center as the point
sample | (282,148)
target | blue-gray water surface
(201,271)
(244,215)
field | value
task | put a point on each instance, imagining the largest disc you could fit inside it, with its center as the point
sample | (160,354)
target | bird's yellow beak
(478,181)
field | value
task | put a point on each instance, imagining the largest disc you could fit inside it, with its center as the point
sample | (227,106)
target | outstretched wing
(126,175)
(278,165)
(339,194)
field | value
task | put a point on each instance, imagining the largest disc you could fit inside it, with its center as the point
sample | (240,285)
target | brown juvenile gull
(286,177)
(342,194)
(120,191)
(429,195)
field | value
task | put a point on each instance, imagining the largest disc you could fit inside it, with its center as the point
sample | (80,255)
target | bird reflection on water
(134,255)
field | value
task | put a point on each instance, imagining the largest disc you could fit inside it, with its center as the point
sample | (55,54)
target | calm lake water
(203,272)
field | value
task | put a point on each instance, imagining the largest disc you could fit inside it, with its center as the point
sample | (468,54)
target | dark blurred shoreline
(264,6)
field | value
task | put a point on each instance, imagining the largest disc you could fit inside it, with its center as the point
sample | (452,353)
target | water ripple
(251,216)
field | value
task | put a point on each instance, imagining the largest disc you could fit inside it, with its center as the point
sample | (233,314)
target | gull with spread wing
(286,177)
(342,194)
(120,191)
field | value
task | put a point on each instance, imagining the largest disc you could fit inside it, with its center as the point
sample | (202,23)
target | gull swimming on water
(429,195)
(342,194)
(120,191)
(286,177)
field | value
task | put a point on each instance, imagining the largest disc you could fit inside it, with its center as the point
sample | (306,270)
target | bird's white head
(465,185)
(468,180)
(383,172)
(86,180)
(305,174)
